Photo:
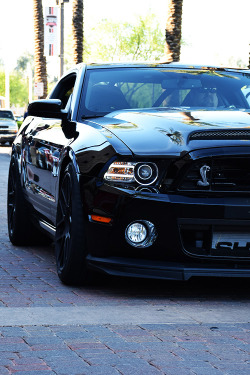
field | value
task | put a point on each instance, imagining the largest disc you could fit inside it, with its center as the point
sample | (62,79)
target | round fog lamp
(140,234)
(136,232)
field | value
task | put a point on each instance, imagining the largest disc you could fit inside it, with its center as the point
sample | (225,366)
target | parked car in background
(138,170)
(8,126)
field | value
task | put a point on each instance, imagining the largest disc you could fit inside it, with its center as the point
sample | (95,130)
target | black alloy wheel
(20,228)
(70,241)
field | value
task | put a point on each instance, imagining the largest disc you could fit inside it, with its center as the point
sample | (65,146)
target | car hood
(161,132)
(7,123)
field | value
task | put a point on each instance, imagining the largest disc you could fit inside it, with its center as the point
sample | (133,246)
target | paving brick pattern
(146,349)
(28,279)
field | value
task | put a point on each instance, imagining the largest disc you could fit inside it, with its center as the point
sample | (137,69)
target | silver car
(8,126)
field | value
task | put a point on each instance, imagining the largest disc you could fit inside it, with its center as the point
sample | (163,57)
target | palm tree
(39,58)
(173,30)
(77,28)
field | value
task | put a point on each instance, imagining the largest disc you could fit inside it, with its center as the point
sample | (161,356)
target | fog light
(140,233)
(136,232)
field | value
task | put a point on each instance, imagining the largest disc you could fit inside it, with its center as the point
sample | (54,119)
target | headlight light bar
(120,171)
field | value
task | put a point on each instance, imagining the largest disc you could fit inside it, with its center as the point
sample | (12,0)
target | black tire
(21,231)
(70,241)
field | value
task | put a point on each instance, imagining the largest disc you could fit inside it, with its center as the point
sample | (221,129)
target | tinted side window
(64,89)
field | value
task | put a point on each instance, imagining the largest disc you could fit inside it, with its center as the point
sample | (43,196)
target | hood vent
(220,134)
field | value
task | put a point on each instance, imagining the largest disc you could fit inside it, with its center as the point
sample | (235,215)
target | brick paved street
(120,327)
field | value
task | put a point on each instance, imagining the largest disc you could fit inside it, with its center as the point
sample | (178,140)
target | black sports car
(137,170)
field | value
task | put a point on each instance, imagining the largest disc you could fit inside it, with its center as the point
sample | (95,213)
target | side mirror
(51,108)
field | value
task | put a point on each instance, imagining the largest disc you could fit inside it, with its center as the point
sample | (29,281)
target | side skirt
(50,229)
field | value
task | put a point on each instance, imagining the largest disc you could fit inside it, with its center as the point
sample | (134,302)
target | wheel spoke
(60,255)
(11,199)
(66,248)
(11,194)
(64,198)
(64,221)
(12,217)
(60,236)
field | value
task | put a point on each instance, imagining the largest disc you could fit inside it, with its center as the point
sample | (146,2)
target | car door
(43,147)
(63,91)
(37,161)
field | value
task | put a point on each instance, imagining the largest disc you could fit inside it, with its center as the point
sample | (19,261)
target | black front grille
(221,134)
(218,174)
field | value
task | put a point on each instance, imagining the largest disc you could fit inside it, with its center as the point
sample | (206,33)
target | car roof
(161,65)
(5,110)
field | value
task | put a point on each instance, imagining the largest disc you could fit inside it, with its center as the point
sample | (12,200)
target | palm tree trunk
(39,58)
(173,30)
(77,28)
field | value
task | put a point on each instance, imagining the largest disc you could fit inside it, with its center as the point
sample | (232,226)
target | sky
(213,31)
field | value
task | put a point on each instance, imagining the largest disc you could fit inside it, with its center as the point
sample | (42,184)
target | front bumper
(9,137)
(162,270)
(185,226)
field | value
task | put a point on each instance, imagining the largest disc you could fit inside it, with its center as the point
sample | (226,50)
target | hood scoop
(220,134)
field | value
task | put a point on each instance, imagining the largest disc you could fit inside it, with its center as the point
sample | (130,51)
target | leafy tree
(173,30)
(18,88)
(2,83)
(23,61)
(143,40)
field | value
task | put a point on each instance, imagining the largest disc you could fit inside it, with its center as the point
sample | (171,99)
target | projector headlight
(129,172)
(146,173)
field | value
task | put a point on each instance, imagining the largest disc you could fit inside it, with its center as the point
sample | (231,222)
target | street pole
(61,37)
(30,83)
(61,5)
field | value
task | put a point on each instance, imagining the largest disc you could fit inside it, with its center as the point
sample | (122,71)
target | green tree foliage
(18,88)
(121,41)
(143,40)
(24,61)
(2,83)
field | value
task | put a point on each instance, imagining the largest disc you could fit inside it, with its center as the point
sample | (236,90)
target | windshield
(107,90)
(6,114)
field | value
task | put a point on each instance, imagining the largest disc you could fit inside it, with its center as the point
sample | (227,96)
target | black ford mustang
(137,170)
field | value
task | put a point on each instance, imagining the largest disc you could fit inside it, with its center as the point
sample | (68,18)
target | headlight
(120,171)
(146,173)
(129,172)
